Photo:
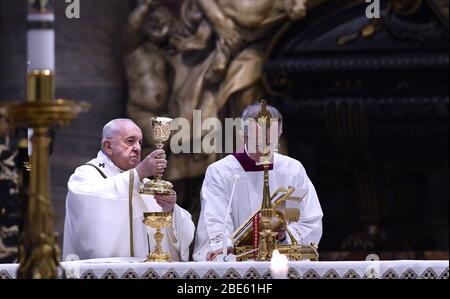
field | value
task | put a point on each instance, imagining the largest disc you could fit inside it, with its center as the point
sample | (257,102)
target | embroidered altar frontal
(132,268)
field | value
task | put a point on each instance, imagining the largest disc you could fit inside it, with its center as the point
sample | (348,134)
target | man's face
(124,149)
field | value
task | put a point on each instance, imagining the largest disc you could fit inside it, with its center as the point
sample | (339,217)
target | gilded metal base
(158,257)
(293,252)
(158,220)
(267,245)
(153,187)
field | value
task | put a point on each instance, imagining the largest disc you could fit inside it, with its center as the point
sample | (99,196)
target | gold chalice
(160,134)
(158,220)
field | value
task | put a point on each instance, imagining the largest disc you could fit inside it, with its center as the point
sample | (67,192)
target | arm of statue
(295,9)
(135,21)
(223,25)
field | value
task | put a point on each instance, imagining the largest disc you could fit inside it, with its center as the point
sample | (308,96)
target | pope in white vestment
(216,191)
(97,221)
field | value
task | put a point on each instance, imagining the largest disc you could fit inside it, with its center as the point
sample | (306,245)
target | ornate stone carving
(208,57)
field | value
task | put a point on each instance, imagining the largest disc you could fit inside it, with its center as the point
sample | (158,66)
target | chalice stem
(158,177)
(158,237)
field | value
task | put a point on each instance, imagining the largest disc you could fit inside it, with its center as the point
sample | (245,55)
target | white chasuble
(215,196)
(97,221)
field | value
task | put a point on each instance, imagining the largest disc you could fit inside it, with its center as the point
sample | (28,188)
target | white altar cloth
(110,268)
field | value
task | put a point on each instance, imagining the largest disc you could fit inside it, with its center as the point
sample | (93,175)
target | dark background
(368,117)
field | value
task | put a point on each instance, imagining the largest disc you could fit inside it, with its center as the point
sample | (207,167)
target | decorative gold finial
(264,113)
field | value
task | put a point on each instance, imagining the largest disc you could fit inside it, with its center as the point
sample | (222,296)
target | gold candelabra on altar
(39,254)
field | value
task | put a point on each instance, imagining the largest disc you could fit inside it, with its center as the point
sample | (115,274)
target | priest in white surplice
(218,183)
(97,222)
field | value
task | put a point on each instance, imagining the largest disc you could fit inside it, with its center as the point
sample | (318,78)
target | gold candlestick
(267,237)
(39,253)
(158,220)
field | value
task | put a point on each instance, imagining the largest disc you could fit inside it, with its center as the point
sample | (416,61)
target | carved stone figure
(208,58)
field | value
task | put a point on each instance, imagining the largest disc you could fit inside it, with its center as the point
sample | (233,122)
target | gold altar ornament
(160,133)
(158,220)
(38,250)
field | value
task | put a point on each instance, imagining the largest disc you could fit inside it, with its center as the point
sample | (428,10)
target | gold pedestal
(158,220)
(293,252)
(39,253)
(267,245)
(156,186)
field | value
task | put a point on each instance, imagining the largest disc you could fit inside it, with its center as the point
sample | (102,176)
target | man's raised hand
(154,163)
(166,201)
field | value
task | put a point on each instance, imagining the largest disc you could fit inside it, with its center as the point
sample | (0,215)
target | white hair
(113,127)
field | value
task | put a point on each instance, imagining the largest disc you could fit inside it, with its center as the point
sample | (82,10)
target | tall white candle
(40,41)
(40,35)
(279,265)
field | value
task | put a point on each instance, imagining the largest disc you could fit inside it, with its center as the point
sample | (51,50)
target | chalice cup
(160,134)
(158,220)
